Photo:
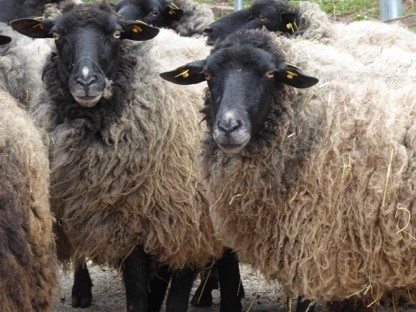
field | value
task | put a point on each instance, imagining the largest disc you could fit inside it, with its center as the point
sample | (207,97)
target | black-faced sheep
(186,17)
(306,19)
(27,247)
(123,147)
(315,187)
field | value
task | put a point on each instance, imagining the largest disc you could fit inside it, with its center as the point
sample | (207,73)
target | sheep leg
(180,290)
(304,305)
(136,278)
(231,289)
(157,288)
(209,282)
(81,290)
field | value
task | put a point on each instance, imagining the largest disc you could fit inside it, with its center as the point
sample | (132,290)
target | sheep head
(243,76)
(160,13)
(87,38)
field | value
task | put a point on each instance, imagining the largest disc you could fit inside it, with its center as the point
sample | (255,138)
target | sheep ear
(289,20)
(34,28)
(5,40)
(138,31)
(172,12)
(293,76)
(190,73)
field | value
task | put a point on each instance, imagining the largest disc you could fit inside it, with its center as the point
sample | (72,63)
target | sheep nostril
(229,126)
(208,30)
(86,82)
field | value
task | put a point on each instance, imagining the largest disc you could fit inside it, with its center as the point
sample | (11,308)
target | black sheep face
(160,13)
(276,16)
(87,38)
(243,74)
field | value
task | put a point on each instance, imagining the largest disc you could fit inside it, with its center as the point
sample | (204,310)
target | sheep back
(328,208)
(135,181)
(27,247)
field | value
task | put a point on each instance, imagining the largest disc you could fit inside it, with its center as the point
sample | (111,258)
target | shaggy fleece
(126,173)
(27,247)
(328,206)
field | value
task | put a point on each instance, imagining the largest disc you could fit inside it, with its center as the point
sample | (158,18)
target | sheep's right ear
(34,28)
(293,76)
(190,73)
(138,31)
(5,40)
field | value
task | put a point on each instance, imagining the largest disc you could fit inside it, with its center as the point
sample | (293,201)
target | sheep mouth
(87,101)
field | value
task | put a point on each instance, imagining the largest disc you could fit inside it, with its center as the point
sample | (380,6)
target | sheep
(307,19)
(123,148)
(27,247)
(315,186)
(186,17)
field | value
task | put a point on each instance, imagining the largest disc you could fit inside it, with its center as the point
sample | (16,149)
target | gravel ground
(108,294)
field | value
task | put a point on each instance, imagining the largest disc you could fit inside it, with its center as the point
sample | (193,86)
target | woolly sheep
(27,246)
(186,17)
(319,192)
(124,184)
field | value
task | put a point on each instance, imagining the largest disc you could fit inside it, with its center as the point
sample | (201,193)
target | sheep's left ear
(293,76)
(172,12)
(190,73)
(34,28)
(138,31)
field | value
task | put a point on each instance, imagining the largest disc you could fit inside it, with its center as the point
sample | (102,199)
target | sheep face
(242,80)
(273,15)
(158,13)
(87,40)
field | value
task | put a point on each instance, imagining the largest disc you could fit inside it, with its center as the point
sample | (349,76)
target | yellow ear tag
(39,25)
(292,26)
(38,18)
(290,74)
(184,74)
(172,12)
(174,5)
(136,29)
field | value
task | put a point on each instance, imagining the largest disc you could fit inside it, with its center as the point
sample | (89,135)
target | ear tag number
(136,29)
(290,74)
(292,26)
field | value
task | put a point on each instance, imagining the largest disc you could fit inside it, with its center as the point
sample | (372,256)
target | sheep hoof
(81,301)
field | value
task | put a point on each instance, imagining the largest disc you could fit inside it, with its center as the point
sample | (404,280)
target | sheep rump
(27,246)
(140,186)
(327,208)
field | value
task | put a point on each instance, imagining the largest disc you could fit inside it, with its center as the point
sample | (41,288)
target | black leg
(209,282)
(157,288)
(180,289)
(231,289)
(136,278)
(81,290)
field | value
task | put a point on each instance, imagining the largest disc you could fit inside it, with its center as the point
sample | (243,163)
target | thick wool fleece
(196,17)
(328,207)
(129,175)
(27,245)
(21,63)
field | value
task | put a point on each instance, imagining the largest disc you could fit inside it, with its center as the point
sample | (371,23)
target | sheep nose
(229,126)
(86,81)
(208,30)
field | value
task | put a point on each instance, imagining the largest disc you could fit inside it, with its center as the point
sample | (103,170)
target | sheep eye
(55,36)
(153,13)
(117,34)
(207,76)
(269,74)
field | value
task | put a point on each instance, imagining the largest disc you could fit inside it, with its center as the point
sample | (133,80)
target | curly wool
(196,17)
(21,68)
(126,174)
(27,246)
(327,208)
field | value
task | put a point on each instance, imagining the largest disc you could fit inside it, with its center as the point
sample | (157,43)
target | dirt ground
(108,294)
